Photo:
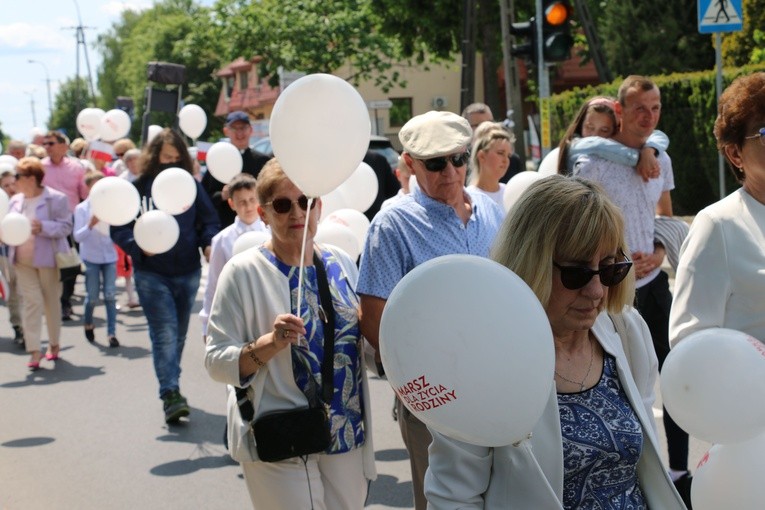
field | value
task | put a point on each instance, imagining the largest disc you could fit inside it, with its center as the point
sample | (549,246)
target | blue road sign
(720,16)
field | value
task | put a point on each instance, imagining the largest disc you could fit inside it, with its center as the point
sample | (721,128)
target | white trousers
(324,482)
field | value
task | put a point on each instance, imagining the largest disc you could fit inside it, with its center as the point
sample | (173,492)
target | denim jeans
(167,303)
(95,274)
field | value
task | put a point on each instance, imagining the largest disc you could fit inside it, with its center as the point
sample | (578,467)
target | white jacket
(530,475)
(251,292)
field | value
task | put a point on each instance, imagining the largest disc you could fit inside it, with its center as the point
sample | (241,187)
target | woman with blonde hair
(489,159)
(596,444)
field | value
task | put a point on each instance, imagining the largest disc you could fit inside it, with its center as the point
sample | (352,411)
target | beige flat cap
(435,134)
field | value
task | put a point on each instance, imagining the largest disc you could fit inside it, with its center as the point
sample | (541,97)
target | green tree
(745,46)
(64,115)
(177,31)
(652,37)
(313,36)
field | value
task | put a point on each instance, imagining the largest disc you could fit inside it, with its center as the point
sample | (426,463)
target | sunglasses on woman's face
(439,164)
(576,277)
(284,205)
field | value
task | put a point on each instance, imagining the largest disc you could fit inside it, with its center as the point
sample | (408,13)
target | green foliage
(745,46)
(689,109)
(313,36)
(64,115)
(176,31)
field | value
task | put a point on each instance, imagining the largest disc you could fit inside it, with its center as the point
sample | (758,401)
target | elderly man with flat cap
(440,217)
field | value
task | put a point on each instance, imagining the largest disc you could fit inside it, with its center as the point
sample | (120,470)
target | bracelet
(254,356)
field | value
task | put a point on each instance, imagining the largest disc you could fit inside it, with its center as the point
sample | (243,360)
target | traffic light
(556,30)
(525,31)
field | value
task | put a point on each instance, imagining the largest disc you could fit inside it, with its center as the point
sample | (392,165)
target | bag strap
(327,313)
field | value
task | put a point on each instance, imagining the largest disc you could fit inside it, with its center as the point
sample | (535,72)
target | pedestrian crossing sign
(720,16)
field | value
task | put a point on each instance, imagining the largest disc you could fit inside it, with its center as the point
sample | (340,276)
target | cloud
(35,37)
(114,9)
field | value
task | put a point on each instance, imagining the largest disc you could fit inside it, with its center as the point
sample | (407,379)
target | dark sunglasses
(438,164)
(19,176)
(284,205)
(48,144)
(576,277)
(760,134)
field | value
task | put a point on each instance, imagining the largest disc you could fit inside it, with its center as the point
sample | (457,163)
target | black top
(252,162)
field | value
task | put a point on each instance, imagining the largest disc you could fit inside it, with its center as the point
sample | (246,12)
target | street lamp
(47,83)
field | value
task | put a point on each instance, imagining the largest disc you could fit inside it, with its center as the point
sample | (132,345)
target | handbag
(69,263)
(298,432)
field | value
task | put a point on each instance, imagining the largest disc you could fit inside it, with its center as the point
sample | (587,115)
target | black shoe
(18,336)
(683,486)
(113,342)
(89,334)
(175,406)
(66,313)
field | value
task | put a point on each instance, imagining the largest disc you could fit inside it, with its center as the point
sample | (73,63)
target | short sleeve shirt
(418,228)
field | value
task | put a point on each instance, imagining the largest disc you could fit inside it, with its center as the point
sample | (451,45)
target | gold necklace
(589,368)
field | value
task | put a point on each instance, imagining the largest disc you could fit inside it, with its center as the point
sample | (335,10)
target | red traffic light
(558,13)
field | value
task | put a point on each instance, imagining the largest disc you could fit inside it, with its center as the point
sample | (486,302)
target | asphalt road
(87,432)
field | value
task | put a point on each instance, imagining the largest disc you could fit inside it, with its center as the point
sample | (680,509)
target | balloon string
(525,446)
(302,258)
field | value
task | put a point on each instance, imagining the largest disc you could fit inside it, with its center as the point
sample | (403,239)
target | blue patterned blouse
(345,413)
(602,442)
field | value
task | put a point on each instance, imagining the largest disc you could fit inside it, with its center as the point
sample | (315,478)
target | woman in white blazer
(595,445)
(257,340)
(720,280)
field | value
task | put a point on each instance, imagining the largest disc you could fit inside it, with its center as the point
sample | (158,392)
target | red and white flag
(101,151)
(202,148)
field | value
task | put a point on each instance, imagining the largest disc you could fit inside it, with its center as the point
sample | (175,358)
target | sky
(43,31)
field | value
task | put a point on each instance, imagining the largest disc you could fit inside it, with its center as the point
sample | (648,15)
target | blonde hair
(485,135)
(563,218)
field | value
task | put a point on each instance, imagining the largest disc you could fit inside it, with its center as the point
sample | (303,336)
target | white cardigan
(720,280)
(251,292)
(530,475)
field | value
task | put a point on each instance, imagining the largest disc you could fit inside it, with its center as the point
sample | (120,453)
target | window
(243,81)
(400,111)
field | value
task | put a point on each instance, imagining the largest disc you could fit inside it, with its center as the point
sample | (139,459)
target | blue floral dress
(345,409)
(602,442)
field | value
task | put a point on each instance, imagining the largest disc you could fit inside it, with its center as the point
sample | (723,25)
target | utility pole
(80,36)
(32,102)
(512,79)
(467,94)
(47,84)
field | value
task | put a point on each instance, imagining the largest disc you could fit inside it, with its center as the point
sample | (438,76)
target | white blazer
(530,475)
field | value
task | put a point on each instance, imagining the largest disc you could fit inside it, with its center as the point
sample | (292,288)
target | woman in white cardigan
(257,341)
(720,280)
(595,445)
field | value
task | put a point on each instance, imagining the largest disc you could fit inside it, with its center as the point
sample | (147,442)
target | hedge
(688,115)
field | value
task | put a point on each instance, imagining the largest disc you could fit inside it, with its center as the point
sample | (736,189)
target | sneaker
(18,336)
(113,342)
(683,486)
(175,406)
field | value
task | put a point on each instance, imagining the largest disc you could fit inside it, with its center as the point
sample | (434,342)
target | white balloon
(340,236)
(549,165)
(156,231)
(153,131)
(15,229)
(333,201)
(319,131)
(729,477)
(224,161)
(516,186)
(9,160)
(192,120)
(115,124)
(361,187)
(174,190)
(114,201)
(89,123)
(250,240)
(485,382)
(712,385)
(354,220)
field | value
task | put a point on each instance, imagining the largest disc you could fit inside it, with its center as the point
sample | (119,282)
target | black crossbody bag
(285,434)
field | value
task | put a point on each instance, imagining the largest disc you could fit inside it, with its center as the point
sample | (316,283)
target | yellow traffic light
(557,13)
